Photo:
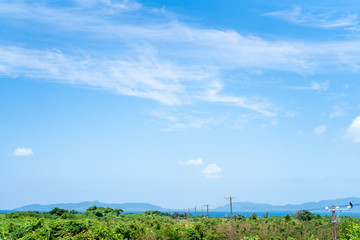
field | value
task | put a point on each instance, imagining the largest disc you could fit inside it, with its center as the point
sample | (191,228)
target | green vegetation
(108,223)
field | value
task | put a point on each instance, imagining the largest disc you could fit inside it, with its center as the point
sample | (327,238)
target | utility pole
(232,221)
(195,213)
(184,214)
(334,218)
(189,216)
(333,221)
(207,210)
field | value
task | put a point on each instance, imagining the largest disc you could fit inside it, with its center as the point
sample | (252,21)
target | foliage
(106,223)
(239,216)
(58,211)
(253,216)
(351,231)
(305,215)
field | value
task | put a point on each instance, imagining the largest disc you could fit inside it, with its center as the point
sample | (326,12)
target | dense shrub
(106,223)
(305,215)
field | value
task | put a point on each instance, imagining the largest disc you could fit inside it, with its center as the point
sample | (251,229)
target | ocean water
(213,214)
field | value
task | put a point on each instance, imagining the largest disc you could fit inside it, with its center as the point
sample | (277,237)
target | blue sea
(246,214)
(259,214)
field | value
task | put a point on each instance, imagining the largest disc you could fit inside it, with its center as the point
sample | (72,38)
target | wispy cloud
(212,171)
(140,77)
(111,5)
(23,152)
(353,131)
(323,19)
(220,50)
(320,129)
(262,106)
(180,118)
(160,58)
(148,76)
(317,86)
(195,162)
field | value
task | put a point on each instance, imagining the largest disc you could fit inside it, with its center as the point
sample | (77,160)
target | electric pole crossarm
(334,219)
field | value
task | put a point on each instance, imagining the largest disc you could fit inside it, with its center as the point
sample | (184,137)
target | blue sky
(178,103)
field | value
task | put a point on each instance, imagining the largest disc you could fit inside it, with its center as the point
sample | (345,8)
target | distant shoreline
(247,214)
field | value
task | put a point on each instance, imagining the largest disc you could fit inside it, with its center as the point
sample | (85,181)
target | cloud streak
(159,57)
(314,86)
(296,15)
(194,162)
(23,152)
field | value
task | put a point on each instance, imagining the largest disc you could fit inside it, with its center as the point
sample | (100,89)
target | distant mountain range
(262,207)
(82,206)
(237,206)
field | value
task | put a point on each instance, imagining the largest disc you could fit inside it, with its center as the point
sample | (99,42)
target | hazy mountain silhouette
(82,206)
(262,207)
(237,206)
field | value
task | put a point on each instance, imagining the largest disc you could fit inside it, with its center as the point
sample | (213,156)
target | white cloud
(195,162)
(23,152)
(215,47)
(321,129)
(154,64)
(110,5)
(353,131)
(147,78)
(314,86)
(175,118)
(212,171)
(328,19)
(261,106)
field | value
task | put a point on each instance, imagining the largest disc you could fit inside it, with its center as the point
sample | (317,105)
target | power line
(322,209)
